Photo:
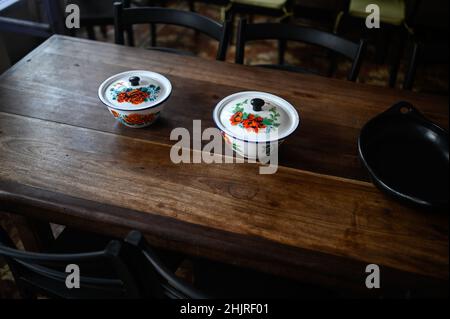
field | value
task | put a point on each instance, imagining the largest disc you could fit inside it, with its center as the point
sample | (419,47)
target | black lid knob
(134,80)
(257,104)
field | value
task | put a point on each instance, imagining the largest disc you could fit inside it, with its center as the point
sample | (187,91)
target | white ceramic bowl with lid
(253,122)
(135,98)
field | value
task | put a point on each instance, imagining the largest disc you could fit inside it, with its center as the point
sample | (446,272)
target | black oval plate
(407,156)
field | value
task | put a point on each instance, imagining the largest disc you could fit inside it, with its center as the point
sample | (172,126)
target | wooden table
(64,159)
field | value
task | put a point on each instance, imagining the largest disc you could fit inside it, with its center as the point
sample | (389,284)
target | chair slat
(126,17)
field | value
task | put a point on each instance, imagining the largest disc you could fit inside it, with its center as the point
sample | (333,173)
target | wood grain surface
(57,138)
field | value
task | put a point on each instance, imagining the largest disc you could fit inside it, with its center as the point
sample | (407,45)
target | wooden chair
(390,38)
(119,270)
(323,13)
(427,22)
(211,279)
(125,17)
(280,9)
(424,53)
(146,264)
(98,14)
(93,14)
(103,273)
(286,32)
(147,3)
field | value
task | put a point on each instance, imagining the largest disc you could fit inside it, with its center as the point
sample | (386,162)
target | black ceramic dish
(407,156)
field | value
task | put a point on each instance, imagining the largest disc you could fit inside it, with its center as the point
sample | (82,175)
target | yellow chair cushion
(272,4)
(391,11)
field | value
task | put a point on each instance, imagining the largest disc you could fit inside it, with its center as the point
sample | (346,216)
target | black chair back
(424,53)
(125,17)
(156,279)
(103,274)
(287,32)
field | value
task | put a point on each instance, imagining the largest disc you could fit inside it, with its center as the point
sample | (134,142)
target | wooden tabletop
(64,158)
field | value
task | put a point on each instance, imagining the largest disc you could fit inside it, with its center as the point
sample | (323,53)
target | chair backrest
(44,274)
(426,53)
(156,280)
(287,32)
(125,17)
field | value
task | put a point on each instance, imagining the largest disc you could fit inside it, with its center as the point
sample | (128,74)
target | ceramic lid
(256,117)
(135,90)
